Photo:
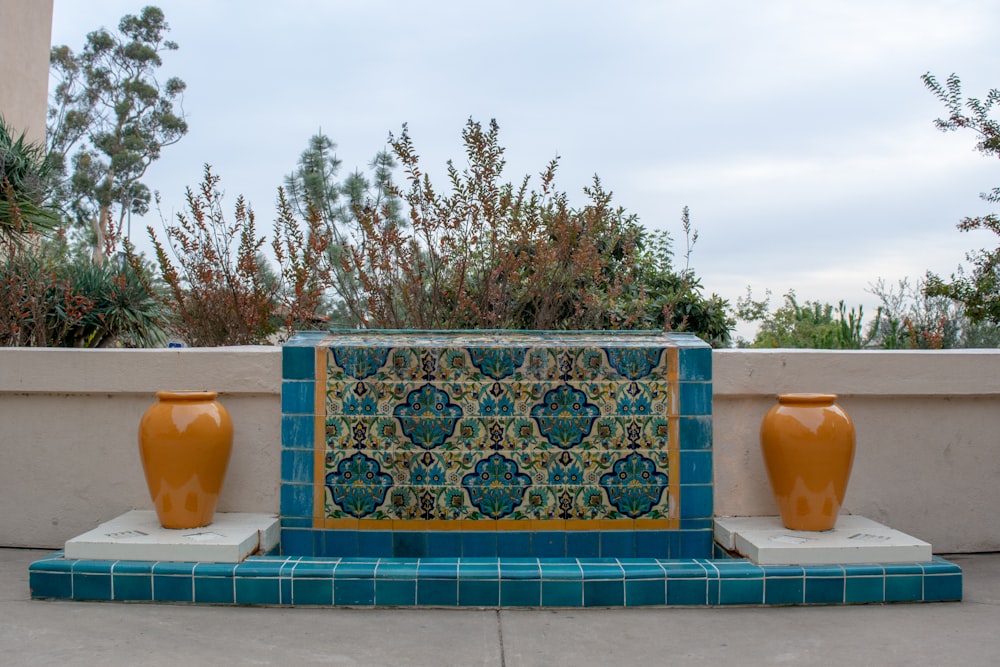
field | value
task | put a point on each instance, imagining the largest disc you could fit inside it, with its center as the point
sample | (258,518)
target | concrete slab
(138,535)
(854,540)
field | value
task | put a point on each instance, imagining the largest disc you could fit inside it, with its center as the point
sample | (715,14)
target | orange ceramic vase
(808,446)
(185,441)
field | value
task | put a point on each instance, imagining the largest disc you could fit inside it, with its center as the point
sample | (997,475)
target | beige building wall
(927,462)
(25,39)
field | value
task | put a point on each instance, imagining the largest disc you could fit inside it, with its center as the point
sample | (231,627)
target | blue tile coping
(492,582)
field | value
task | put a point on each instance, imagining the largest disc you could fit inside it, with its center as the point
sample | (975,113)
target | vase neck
(807,399)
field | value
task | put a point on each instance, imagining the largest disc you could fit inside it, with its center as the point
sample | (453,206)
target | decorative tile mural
(498,431)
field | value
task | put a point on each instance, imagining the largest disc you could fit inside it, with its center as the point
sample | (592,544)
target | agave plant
(24,187)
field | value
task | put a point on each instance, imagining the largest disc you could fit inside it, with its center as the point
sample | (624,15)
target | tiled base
(492,582)
(138,536)
(853,540)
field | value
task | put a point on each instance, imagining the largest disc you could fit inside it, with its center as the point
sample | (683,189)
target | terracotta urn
(185,440)
(808,445)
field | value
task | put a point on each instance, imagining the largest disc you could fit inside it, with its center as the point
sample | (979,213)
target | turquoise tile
(695,398)
(859,590)
(258,590)
(360,568)
(642,569)
(307,591)
(298,363)
(548,543)
(696,502)
(178,568)
(943,587)
(91,586)
(604,593)
(520,593)
(823,590)
(904,588)
(260,567)
(940,566)
(444,543)
(561,570)
(298,432)
(687,591)
(479,543)
(171,588)
(92,566)
(694,432)
(694,544)
(695,524)
(298,397)
(53,564)
(694,363)
(618,544)
(562,593)
(902,568)
(695,467)
(297,465)
(136,587)
(45,584)
(741,591)
(519,568)
(212,590)
(396,568)
(395,592)
(297,522)
(210,569)
(438,569)
(605,570)
(866,570)
(437,592)
(652,544)
(296,500)
(375,543)
(645,592)
(736,569)
(517,543)
(784,590)
(679,569)
(354,591)
(297,542)
(340,543)
(478,592)
(416,544)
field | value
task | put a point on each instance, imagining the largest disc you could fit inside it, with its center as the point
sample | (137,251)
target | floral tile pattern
(496,426)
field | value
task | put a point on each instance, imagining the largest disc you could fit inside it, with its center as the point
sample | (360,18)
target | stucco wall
(25,34)
(927,463)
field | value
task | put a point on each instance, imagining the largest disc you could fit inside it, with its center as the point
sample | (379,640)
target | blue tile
(519,568)
(298,432)
(314,569)
(211,569)
(169,588)
(397,568)
(375,543)
(312,591)
(212,590)
(695,467)
(548,544)
(694,432)
(297,542)
(940,566)
(410,544)
(444,543)
(479,543)
(514,544)
(298,363)
(297,500)
(356,569)
(695,398)
(598,593)
(784,590)
(437,592)
(602,569)
(652,544)
(695,524)
(91,586)
(342,543)
(298,397)
(566,569)
(258,590)
(444,568)
(562,593)
(904,588)
(297,465)
(696,501)
(737,569)
(864,589)
(644,592)
(687,591)
(824,590)
(395,592)
(176,568)
(50,584)
(902,568)
(618,544)
(478,592)
(520,593)
(137,587)
(694,363)
(354,591)
(583,544)
(694,544)
(478,568)
(943,587)
(741,591)
(260,567)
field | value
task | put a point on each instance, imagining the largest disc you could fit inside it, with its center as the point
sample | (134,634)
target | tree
(109,107)
(978,291)
(811,324)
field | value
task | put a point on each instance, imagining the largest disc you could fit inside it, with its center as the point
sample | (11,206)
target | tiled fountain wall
(459,444)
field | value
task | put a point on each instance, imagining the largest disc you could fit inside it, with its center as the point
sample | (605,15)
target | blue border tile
(694,432)
(395,592)
(687,592)
(904,587)
(298,432)
(479,592)
(695,467)
(645,592)
(354,592)
(861,589)
(214,590)
(137,587)
(297,466)
(520,593)
(652,544)
(48,584)
(416,544)
(617,544)
(172,588)
(306,591)
(694,363)
(696,502)
(298,363)
(296,500)
(939,587)
(298,397)
(694,398)
(437,592)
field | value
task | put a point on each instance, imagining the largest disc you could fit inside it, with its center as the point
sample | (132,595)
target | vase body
(808,445)
(185,440)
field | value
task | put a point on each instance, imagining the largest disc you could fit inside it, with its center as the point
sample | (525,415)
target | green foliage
(24,188)
(485,253)
(978,291)
(109,107)
(811,324)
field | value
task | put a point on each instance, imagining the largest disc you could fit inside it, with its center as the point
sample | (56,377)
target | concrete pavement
(35,632)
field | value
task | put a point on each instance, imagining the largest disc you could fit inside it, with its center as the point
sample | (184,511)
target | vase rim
(810,398)
(187,395)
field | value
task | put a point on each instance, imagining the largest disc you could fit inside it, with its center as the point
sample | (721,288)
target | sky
(799,134)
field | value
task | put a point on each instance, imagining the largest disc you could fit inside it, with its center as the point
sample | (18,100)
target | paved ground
(36,632)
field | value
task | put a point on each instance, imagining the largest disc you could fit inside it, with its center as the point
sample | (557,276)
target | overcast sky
(799,133)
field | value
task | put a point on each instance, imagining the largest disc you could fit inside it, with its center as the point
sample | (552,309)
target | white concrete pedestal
(855,539)
(138,535)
